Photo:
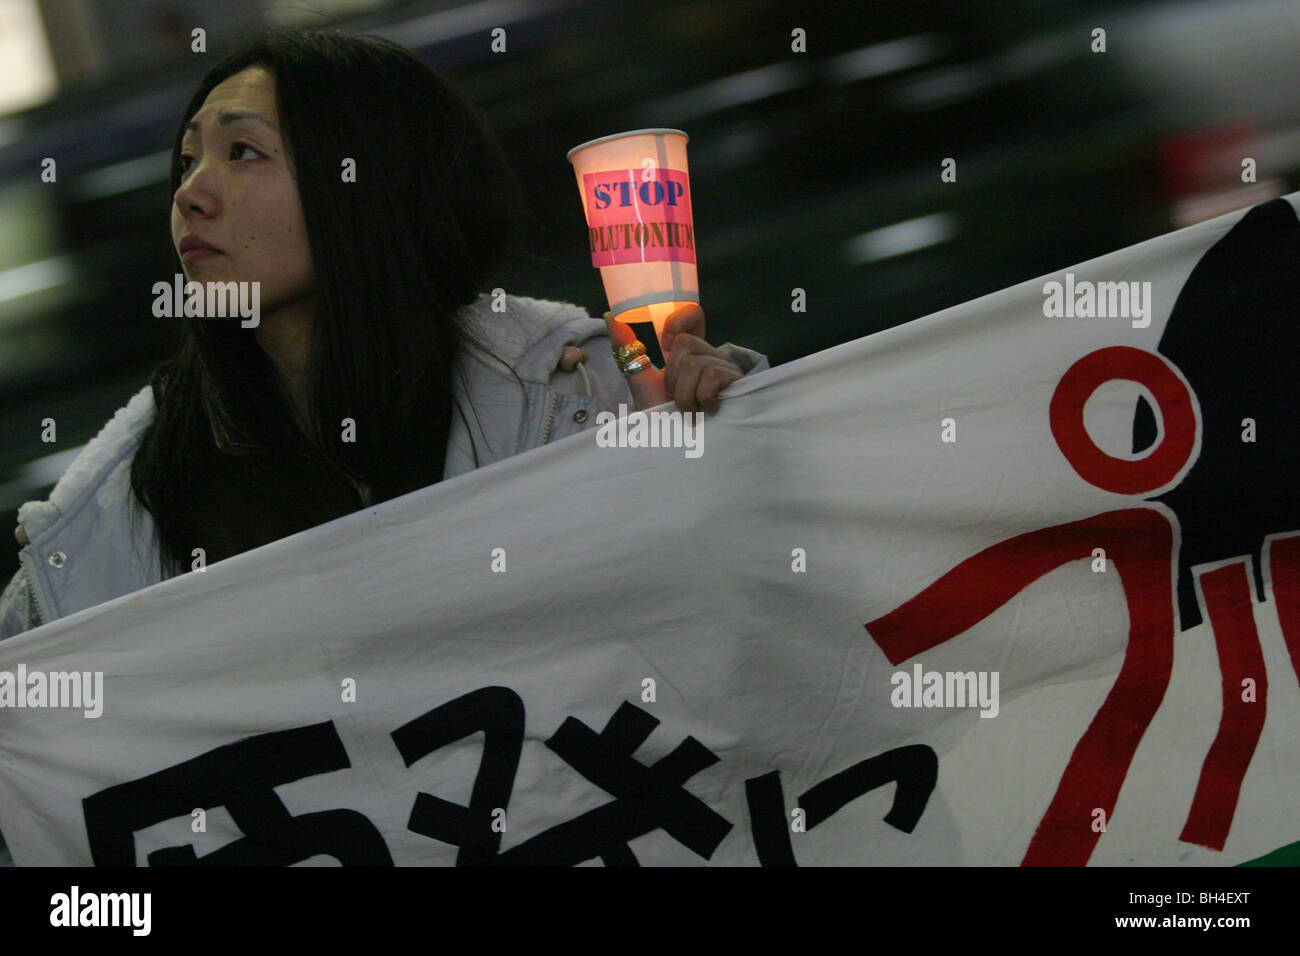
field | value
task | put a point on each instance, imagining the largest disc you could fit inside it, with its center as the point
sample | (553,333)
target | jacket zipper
(35,593)
(552,400)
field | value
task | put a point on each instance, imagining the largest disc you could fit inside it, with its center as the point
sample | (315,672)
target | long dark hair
(396,254)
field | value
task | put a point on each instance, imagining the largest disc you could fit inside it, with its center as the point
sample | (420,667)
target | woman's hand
(694,372)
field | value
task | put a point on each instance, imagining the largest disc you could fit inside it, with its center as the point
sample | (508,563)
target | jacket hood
(526,333)
(118,438)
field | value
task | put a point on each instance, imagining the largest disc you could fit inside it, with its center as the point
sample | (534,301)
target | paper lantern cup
(636,196)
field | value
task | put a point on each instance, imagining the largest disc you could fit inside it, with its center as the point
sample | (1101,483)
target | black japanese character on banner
(646,797)
(914,767)
(241,777)
(499,713)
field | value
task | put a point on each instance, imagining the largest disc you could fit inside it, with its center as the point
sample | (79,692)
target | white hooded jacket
(81,550)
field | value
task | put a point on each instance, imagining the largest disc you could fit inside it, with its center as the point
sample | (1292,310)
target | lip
(192,247)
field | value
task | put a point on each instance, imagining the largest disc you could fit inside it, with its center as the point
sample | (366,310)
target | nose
(196,195)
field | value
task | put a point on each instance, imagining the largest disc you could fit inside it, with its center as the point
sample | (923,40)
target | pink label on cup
(639,215)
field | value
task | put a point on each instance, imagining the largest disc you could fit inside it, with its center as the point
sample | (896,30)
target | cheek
(292,233)
(272,230)
(281,242)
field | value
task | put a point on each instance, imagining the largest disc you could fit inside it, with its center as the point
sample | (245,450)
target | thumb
(647,385)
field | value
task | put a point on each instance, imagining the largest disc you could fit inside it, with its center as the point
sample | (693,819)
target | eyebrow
(227,117)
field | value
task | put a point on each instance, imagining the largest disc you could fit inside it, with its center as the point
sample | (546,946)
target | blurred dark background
(816,170)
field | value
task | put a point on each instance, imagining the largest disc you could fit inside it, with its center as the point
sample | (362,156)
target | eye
(184,161)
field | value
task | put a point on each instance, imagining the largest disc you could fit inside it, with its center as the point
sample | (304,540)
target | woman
(371,202)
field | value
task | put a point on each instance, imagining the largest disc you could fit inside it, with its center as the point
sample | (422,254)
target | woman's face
(238,194)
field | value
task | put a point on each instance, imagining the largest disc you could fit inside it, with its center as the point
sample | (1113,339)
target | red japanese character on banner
(1228,342)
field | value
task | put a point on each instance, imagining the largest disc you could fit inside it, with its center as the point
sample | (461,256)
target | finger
(689,348)
(647,385)
(689,384)
(685,384)
(712,381)
(620,333)
(687,318)
(690,343)
(686,345)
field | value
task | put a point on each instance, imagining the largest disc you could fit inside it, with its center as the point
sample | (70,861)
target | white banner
(911,600)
